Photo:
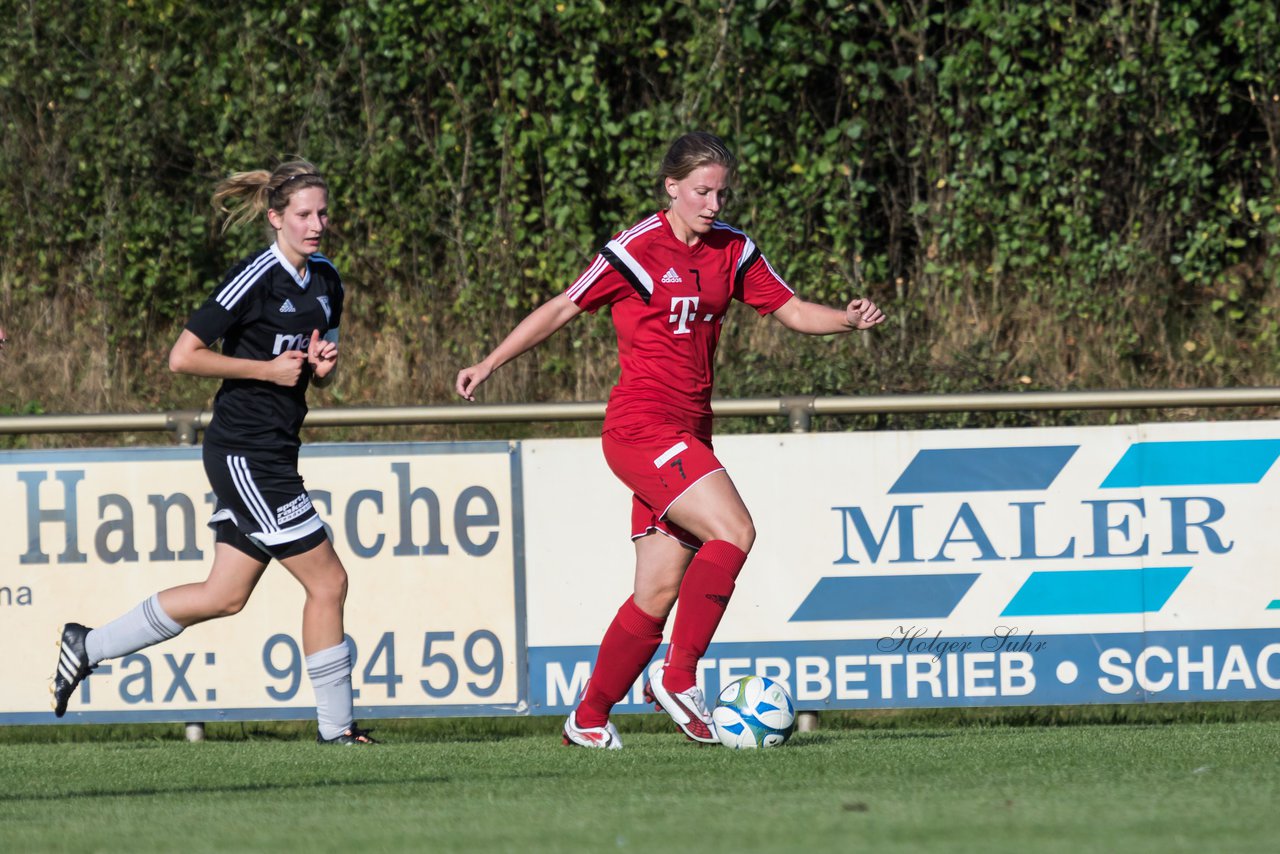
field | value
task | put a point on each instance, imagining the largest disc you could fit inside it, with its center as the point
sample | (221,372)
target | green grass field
(997,781)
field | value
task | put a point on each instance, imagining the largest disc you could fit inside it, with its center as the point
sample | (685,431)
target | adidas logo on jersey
(287,308)
(671,277)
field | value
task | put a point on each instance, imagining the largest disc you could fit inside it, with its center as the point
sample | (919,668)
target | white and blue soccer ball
(753,711)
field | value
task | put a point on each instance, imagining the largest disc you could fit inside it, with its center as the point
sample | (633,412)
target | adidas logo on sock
(671,277)
(287,308)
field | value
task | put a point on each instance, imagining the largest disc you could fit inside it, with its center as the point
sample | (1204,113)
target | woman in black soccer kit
(277,315)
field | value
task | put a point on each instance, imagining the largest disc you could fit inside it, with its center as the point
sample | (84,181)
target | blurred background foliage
(1042,194)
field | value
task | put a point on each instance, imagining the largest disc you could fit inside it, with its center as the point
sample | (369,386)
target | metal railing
(799,410)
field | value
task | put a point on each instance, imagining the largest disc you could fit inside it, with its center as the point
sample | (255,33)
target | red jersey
(668,302)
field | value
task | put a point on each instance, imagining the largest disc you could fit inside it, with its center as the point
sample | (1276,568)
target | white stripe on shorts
(669,453)
(288,535)
(250,495)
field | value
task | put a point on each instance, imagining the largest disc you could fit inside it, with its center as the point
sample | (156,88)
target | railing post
(799,413)
(183,425)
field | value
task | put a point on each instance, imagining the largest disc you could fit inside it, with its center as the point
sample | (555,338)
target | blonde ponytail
(244,195)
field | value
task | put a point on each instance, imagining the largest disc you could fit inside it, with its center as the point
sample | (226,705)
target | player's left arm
(813,318)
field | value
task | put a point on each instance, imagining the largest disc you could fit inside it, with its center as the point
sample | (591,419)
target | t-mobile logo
(683,309)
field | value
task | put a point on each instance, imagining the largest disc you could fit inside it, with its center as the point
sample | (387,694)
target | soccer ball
(753,711)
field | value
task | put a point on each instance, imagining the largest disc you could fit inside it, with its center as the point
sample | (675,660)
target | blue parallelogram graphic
(984,469)
(884,597)
(1193,463)
(1096,591)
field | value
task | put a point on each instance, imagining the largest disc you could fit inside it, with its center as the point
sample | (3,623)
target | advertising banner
(951,568)
(429,534)
(919,569)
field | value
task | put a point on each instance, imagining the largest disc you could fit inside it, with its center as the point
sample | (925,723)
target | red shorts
(658,464)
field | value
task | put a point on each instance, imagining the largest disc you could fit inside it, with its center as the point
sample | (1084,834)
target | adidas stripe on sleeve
(232,301)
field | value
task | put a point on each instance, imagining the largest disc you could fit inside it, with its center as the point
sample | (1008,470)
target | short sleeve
(232,301)
(213,320)
(758,284)
(599,285)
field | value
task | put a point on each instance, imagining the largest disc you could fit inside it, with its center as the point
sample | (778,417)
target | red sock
(629,644)
(704,594)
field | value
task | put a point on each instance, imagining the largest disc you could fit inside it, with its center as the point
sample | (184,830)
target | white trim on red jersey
(750,252)
(588,278)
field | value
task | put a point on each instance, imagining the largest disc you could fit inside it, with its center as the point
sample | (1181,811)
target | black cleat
(352,735)
(73,666)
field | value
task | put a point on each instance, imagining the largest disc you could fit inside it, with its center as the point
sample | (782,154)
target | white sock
(142,627)
(330,672)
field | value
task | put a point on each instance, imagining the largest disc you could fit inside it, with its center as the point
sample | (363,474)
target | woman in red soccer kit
(668,281)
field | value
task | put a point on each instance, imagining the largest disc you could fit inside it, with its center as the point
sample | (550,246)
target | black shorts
(263,508)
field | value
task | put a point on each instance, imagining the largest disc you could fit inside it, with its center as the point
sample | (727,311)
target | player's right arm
(541,323)
(192,356)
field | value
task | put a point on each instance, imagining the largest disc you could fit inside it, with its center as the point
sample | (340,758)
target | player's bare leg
(328,659)
(231,582)
(161,617)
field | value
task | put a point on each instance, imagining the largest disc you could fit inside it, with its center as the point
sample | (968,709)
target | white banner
(428,534)
(1020,567)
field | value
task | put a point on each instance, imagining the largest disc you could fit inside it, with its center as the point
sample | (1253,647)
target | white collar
(304,279)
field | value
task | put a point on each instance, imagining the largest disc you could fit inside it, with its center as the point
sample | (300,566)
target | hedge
(1043,194)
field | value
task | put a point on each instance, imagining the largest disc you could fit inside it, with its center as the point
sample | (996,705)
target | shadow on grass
(1139,714)
(820,739)
(150,791)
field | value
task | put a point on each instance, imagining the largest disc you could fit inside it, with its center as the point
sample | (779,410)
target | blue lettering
(903,514)
(122,526)
(322,500)
(142,694)
(977,536)
(67,516)
(1027,533)
(464,520)
(162,505)
(406,546)
(1178,524)
(1119,529)
(7,596)
(1102,527)
(351,522)
(180,682)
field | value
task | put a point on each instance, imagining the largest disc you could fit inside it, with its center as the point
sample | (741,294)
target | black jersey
(261,309)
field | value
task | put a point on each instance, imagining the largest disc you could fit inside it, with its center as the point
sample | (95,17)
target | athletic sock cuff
(635,621)
(159,620)
(723,555)
(329,663)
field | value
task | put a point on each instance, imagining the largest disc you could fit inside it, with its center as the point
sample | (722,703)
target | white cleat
(686,708)
(605,737)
